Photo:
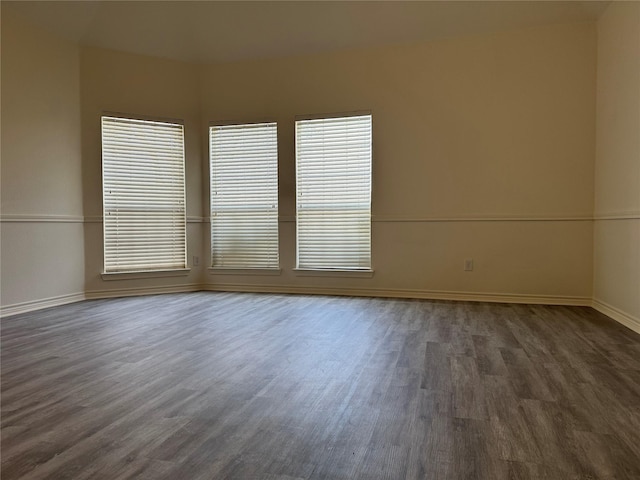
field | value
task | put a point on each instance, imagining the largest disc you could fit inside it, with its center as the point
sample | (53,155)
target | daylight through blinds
(244,195)
(143,195)
(333,182)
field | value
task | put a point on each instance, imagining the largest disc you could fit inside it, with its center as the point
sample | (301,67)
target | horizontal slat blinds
(244,195)
(333,182)
(143,195)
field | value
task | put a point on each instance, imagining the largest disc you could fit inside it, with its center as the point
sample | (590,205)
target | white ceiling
(209,31)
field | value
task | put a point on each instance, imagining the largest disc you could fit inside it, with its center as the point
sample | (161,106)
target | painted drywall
(483,148)
(42,232)
(617,172)
(114,82)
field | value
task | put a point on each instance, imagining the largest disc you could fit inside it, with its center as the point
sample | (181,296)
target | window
(244,196)
(143,195)
(333,201)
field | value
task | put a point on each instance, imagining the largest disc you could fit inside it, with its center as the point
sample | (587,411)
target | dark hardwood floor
(244,386)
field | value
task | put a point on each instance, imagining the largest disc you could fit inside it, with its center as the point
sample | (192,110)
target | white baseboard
(134,292)
(618,315)
(33,305)
(397,293)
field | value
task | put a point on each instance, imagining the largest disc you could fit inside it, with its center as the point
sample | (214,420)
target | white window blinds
(143,195)
(244,195)
(333,182)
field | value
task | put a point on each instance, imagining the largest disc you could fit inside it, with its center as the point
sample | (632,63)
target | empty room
(320,240)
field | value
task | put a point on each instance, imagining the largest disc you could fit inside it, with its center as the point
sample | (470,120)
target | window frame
(343,271)
(163,270)
(218,269)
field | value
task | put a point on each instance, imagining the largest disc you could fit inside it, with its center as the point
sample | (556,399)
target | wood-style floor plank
(279,387)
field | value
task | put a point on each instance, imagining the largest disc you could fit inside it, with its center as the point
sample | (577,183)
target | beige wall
(617,172)
(483,148)
(42,232)
(143,86)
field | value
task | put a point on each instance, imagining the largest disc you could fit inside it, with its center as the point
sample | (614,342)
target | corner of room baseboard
(30,306)
(616,314)
(399,293)
(138,291)
(33,305)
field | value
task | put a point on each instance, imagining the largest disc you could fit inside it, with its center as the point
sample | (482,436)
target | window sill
(178,272)
(303,272)
(244,271)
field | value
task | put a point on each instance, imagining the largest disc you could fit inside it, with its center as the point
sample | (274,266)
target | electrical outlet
(196,261)
(468,265)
